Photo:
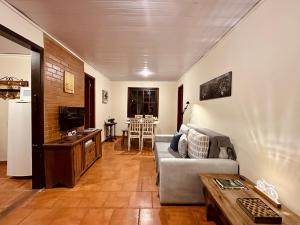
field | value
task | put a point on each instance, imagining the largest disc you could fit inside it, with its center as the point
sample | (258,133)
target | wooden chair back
(148,126)
(138,116)
(134,125)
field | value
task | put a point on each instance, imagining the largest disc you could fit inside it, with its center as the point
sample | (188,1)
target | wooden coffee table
(223,209)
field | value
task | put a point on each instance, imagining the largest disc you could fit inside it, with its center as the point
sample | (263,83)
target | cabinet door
(78,164)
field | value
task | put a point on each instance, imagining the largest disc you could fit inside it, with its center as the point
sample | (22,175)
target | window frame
(142,89)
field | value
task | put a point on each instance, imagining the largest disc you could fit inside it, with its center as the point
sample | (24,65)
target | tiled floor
(118,189)
(12,189)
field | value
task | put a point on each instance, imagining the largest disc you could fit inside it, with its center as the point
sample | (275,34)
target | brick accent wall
(57,60)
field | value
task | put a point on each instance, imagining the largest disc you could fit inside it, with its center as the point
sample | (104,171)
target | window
(142,101)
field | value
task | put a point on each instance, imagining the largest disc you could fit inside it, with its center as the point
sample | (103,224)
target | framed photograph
(217,88)
(69,82)
(104,96)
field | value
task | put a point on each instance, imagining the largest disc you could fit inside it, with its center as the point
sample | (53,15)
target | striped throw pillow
(197,145)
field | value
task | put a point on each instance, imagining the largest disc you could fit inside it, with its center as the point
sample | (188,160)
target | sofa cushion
(162,150)
(216,140)
(183,146)
(174,141)
(184,129)
(197,144)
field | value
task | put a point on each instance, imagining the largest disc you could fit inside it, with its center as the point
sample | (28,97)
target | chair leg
(142,145)
(152,143)
(123,137)
(128,144)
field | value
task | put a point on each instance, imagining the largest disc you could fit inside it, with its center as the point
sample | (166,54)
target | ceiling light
(145,72)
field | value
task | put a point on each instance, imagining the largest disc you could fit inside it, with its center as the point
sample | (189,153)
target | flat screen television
(71,117)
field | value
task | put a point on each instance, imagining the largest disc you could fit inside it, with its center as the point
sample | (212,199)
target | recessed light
(145,72)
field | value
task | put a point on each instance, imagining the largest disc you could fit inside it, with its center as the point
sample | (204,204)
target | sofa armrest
(163,137)
(179,178)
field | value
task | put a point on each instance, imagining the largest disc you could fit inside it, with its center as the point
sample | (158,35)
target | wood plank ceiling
(121,38)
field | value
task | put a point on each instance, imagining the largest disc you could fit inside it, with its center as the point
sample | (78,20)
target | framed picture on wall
(217,88)
(104,96)
(69,83)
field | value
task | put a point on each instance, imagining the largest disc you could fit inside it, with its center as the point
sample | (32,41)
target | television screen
(70,117)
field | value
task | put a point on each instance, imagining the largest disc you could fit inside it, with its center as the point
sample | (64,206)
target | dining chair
(134,131)
(147,131)
(138,116)
(148,116)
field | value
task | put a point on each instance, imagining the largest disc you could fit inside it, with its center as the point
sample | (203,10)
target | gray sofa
(178,178)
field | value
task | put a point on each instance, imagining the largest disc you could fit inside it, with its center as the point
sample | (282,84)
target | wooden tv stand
(68,158)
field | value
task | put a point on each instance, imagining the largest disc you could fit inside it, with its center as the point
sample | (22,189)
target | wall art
(69,83)
(104,96)
(217,88)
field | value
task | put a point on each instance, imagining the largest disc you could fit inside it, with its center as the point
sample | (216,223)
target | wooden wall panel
(57,60)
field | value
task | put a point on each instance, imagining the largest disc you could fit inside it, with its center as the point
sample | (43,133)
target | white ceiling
(121,37)
(9,47)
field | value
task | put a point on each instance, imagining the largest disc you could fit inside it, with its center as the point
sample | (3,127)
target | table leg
(213,213)
(115,131)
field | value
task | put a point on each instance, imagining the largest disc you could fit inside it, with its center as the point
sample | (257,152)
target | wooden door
(180,107)
(89,101)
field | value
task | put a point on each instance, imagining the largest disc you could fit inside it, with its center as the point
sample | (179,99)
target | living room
(259,46)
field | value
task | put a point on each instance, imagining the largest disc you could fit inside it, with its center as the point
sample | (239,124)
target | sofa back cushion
(184,129)
(183,146)
(197,145)
(216,141)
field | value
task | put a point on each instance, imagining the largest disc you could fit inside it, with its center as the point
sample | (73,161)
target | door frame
(93,102)
(37,104)
(179,106)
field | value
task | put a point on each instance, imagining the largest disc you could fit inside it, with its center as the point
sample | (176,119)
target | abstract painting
(217,88)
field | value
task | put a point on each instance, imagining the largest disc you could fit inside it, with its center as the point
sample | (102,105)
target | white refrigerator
(19,143)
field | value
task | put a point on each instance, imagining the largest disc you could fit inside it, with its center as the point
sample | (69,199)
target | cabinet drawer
(90,154)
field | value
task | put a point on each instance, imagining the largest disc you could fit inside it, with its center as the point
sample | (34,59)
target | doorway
(89,101)
(37,105)
(179,107)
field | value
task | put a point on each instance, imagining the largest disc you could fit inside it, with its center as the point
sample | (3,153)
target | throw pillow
(183,146)
(174,141)
(184,129)
(197,145)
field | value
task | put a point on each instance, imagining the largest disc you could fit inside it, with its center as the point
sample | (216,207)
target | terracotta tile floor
(118,189)
(12,189)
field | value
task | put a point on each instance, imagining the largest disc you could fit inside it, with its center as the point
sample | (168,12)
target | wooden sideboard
(68,158)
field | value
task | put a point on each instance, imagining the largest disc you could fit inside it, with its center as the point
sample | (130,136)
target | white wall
(102,110)
(262,116)
(18,66)
(167,103)
(12,20)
